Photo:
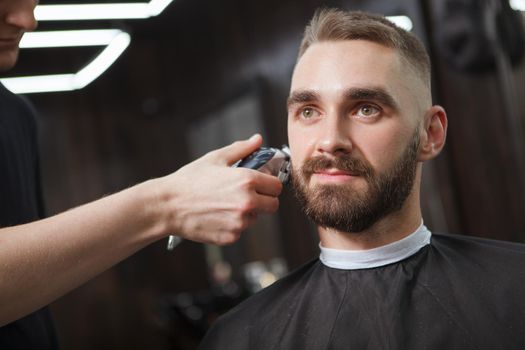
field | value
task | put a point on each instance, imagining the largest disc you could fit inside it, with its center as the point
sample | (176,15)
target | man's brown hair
(337,25)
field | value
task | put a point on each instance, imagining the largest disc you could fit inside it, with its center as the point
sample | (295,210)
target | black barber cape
(454,293)
(20,202)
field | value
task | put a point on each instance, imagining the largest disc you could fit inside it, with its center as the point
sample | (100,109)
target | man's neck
(390,229)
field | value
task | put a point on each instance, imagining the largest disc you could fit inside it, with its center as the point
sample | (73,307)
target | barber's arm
(205,201)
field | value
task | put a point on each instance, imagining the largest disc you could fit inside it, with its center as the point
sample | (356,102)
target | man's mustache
(346,163)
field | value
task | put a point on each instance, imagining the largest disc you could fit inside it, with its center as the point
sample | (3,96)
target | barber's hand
(211,202)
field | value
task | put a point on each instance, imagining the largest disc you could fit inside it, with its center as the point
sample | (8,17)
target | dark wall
(483,162)
(131,125)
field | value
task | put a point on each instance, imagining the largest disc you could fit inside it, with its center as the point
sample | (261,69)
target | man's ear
(433,133)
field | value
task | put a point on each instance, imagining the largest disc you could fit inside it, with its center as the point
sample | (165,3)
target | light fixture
(133,10)
(518,5)
(401,21)
(116,41)
(68,38)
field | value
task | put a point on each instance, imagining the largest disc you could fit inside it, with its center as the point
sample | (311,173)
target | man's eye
(367,111)
(307,113)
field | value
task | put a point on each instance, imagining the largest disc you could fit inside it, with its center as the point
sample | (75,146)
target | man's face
(353,129)
(16,17)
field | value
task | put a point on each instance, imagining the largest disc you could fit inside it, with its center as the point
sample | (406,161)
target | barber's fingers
(253,203)
(239,149)
(267,184)
(240,221)
(264,204)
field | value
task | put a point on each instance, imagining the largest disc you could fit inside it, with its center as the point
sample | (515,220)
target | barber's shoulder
(17,107)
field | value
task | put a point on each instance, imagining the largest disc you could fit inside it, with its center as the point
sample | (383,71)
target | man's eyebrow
(302,96)
(375,94)
(378,95)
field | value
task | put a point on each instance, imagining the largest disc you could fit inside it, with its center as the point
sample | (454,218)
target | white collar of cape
(375,257)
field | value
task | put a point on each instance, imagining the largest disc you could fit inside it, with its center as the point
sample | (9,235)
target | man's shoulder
(233,328)
(478,244)
(272,295)
(476,254)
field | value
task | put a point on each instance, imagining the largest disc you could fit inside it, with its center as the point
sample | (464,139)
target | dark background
(199,56)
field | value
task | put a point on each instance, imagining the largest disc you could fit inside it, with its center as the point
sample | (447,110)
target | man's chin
(339,219)
(334,179)
(357,186)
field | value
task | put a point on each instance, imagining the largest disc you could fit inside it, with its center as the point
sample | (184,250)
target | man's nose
(21,15)
(334,136)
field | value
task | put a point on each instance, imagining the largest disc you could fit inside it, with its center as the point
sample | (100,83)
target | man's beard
(346,209)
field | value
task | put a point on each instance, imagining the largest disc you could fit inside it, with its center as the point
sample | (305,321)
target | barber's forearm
(205,201)
(42,261)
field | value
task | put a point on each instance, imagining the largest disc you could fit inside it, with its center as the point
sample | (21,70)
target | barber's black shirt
(20,202)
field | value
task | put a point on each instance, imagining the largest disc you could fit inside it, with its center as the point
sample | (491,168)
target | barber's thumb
(240,149)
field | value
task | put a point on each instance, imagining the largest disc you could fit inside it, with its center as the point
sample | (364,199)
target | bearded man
(360,125)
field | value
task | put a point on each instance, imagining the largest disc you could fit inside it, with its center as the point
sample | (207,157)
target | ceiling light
(74,81)
(69,38)
(401,21)
(518,5)
(135,10)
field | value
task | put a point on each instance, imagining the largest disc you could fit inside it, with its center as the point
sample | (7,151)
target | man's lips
(333,172)
(333,175)
(344,168)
